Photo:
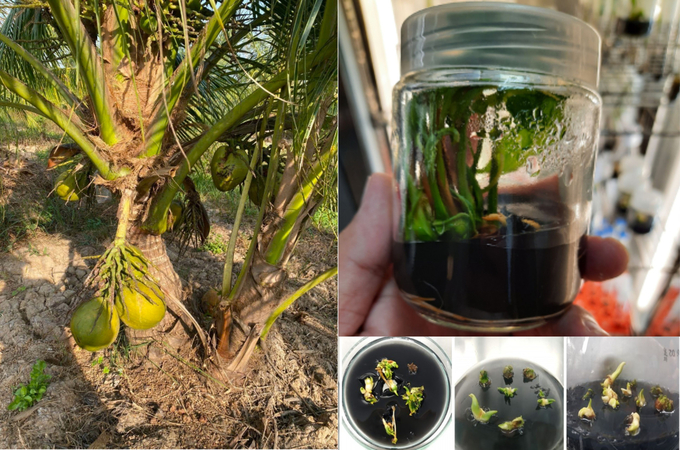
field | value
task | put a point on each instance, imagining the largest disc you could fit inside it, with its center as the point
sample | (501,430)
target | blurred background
(637,194)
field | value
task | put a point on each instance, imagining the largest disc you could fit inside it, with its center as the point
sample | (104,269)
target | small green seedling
(391,427)
(656,391)
(634,424)
(543,402)
(587,412)
(640,399)
(508,391)
(508,373)
(367,390)
(627,391)
(514,424)
(26,396)
(413,397)
(529,374)
(484,380)
(479,414)
(611,378)
(588,395)
(384,369)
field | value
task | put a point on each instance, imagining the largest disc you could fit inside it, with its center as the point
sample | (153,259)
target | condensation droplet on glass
(532,165)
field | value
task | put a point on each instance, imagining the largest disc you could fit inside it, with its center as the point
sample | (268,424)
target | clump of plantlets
(478,413)
(413,397)
(587,412)
(508,391)
(367,390)
(640,399)
(484,380)
(656,391)
(663,404)
(384,369)
(610,398)
(508,373)
(454,192)
(633,421)
(627,391)
(513,425)
(529,374)
(29,394)
(588,394)
(391,427)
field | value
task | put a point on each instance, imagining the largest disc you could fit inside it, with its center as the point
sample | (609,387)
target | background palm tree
(143,89)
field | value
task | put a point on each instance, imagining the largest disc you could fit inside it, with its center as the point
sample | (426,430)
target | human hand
(369,299)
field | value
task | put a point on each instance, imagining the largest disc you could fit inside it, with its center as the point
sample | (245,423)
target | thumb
(364,255)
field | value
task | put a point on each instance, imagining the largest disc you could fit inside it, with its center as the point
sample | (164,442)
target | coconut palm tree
(143,89)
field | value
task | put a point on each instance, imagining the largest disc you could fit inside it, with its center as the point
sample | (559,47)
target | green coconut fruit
(257,186)
(140,310)
(95,324)
(194,5)
(70,185)
(228,168)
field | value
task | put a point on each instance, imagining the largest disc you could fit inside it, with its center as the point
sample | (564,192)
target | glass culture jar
(495,128)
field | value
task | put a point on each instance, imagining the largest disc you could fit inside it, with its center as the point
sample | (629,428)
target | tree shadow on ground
(153,395)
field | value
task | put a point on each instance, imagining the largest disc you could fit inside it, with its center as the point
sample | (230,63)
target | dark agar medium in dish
(367,418)
(543,426)
(518,274)
(658,431)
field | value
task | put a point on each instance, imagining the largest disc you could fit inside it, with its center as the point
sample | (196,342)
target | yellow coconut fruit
(140,310)
(95,324)
(228,168)
(69,186)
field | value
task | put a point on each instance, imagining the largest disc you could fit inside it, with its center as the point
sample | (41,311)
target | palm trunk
(162,270)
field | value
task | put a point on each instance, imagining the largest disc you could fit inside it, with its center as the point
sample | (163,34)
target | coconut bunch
(124,291)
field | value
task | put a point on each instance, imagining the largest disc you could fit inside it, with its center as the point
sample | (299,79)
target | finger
(364,254)
(391,315)
(576,321)
(603,259)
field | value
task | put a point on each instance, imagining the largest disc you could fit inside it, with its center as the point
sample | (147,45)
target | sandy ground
(154,396)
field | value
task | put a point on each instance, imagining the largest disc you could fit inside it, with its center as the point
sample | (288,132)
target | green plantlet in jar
(508,373)
(529,374)
(479,414)
(627,391)
(514,424)
(640,399)
(656,391)
(391,427)
(541,394)
(663,404)
(484,380)
(634,424)
(413,397)
(611,378)
(588,394)
(543,402)
(508,391)
(367,390)
(438,127)
(587,412)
